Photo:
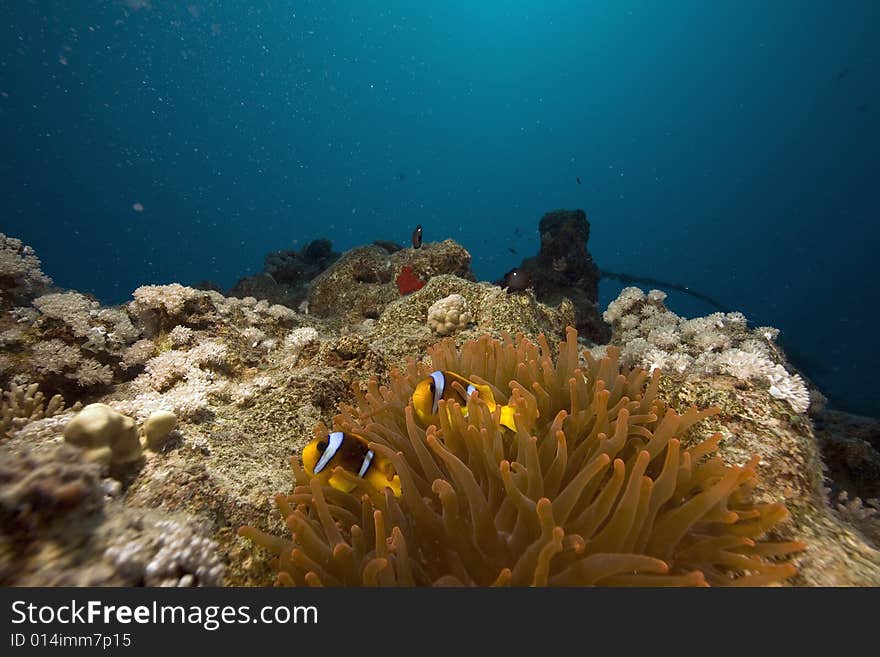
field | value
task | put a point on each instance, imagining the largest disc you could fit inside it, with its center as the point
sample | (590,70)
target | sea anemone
(595,486)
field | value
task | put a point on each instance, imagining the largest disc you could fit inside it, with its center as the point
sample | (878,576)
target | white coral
(180,336)
(448,315)
(138,353)
(171,298)
(20,272)
(186,400)
(155,304)
(166,369)
(791,388)
(54,357)
(743,364)
(208,353)
(71,308)
(281,313)
(624,301)
(652,337)
(298,340)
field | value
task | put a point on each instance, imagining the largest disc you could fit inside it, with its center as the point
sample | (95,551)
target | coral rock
(362,283)
(105,434)
(157,427)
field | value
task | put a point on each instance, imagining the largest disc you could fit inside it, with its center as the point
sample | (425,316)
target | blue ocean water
(729,146)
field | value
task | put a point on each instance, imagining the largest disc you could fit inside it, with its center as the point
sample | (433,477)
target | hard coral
(23,404)
(652,336)
(106,435)
(597,486)
(448,315)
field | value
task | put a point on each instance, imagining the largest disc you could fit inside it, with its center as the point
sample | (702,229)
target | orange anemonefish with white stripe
(351,452)
(439,385)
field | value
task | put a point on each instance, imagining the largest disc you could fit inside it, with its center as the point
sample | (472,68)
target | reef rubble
(247,381)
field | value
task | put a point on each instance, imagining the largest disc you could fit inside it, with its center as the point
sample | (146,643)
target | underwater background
(729,146)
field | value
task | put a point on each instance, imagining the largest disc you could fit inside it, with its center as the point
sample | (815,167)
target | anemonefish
(352,452)
(439,385)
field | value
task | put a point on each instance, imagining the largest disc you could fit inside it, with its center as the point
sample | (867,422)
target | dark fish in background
(417,237)
(517,280)
(512,250)
(843,73)
(578,178)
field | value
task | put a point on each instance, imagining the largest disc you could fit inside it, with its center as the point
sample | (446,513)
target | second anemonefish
(352,452)
(439,385)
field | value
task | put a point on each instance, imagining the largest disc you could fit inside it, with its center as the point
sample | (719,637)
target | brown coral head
(596,486)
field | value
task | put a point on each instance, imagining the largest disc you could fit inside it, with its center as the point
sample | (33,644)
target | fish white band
(439,386)
(366,464)
(335,442)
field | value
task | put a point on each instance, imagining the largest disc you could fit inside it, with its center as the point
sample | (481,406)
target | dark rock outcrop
(286,274)
(564,268)
(850,445)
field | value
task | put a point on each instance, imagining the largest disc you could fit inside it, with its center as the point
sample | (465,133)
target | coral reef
(401,329)
(286,275)
(21,278)
(596,487)
(564,269)
(362,283)
(60,526)
(248,382)
(653,337)
(67,343)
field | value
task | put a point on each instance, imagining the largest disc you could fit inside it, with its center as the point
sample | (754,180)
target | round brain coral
(448,315)
(594,488)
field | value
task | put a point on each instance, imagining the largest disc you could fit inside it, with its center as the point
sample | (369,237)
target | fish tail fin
(507,419)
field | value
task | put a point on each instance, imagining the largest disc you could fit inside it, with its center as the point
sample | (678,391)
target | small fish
(516,280)
(351,452)
(439,385)
(578,178)
(512,250)
(417,237)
